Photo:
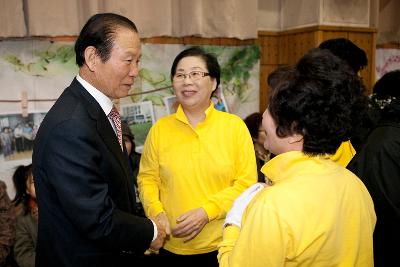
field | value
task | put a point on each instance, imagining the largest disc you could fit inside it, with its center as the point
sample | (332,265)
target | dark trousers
(166,258)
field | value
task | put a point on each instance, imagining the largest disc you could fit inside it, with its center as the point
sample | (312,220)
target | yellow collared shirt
(184,168)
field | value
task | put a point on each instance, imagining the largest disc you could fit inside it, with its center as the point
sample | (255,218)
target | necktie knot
(116,119)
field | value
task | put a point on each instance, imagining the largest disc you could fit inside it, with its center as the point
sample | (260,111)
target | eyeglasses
(193,75)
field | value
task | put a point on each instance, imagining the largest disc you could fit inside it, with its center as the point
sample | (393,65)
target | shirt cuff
(212,211)
(155,231)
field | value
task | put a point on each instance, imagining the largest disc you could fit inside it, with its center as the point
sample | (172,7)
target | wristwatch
(229,224)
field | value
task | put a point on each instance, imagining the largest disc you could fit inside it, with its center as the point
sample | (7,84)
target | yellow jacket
(344,154)
(316,213)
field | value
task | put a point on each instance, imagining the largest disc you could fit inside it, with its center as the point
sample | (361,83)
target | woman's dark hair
(20,177)
(99,32)
(253,122)
(386,96)
(347,51)
(321,98)
(211,61)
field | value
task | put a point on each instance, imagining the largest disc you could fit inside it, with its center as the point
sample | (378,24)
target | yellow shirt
(183,168)
(344,154)
(316,213)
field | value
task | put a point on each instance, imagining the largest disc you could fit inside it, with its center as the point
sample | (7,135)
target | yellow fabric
(184,168)
(316,213)
(344,154)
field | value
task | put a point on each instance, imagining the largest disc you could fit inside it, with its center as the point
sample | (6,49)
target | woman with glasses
(195,162)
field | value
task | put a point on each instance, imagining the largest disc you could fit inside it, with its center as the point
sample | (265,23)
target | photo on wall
(219,101)
(139,117)
(18,134)
(170,104)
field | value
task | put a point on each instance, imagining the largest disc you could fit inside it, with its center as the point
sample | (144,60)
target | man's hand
(159,241)
(190,224)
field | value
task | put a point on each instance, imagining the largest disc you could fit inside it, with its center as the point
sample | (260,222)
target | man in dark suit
(79,161)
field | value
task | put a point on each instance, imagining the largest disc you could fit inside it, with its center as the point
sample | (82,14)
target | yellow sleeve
(148,177)
(230,235)
(245,175)
(344,154)
(262,241)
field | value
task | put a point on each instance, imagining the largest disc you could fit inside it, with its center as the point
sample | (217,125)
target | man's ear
(91,57)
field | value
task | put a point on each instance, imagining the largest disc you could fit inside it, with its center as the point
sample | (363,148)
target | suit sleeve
(74,165)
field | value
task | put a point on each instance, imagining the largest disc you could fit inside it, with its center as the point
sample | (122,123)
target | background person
(7,227)
(26,226)
(378,166)
(195,162)
(357,60)
(254,124)
(81,172)
(134,161)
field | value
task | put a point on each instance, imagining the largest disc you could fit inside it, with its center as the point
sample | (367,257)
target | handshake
(188,226)
(163,229)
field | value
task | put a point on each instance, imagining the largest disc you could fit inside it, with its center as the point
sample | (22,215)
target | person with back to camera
(27,220)
(357,59)
(345,152)
(195,162)
(80,164)
(316,212)
(378,166)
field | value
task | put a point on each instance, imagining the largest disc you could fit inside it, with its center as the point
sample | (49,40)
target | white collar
(104,101)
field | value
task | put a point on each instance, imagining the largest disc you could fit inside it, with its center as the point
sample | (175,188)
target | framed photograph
(170,104)
(219,101)
(139,117)
(17,135)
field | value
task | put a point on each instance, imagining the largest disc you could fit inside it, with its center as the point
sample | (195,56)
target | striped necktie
(116,119)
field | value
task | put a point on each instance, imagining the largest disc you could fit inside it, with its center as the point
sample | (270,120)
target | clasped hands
(188,226)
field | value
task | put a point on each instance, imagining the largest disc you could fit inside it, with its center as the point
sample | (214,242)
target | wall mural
(386,60)
(33,73)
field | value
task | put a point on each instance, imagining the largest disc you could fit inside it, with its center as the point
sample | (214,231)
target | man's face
(116,76)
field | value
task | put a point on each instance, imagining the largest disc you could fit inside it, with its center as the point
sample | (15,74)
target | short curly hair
(321,98)
(347,51)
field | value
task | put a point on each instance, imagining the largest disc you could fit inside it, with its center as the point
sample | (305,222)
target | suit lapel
(104,127)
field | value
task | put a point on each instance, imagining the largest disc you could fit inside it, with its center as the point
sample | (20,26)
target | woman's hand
(190,224)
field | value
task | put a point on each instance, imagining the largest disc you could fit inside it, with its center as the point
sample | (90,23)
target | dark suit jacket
(377,164)
(83,188)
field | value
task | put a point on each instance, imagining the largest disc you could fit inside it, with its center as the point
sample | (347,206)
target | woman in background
(378,166)
(27,220)
(257,132)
